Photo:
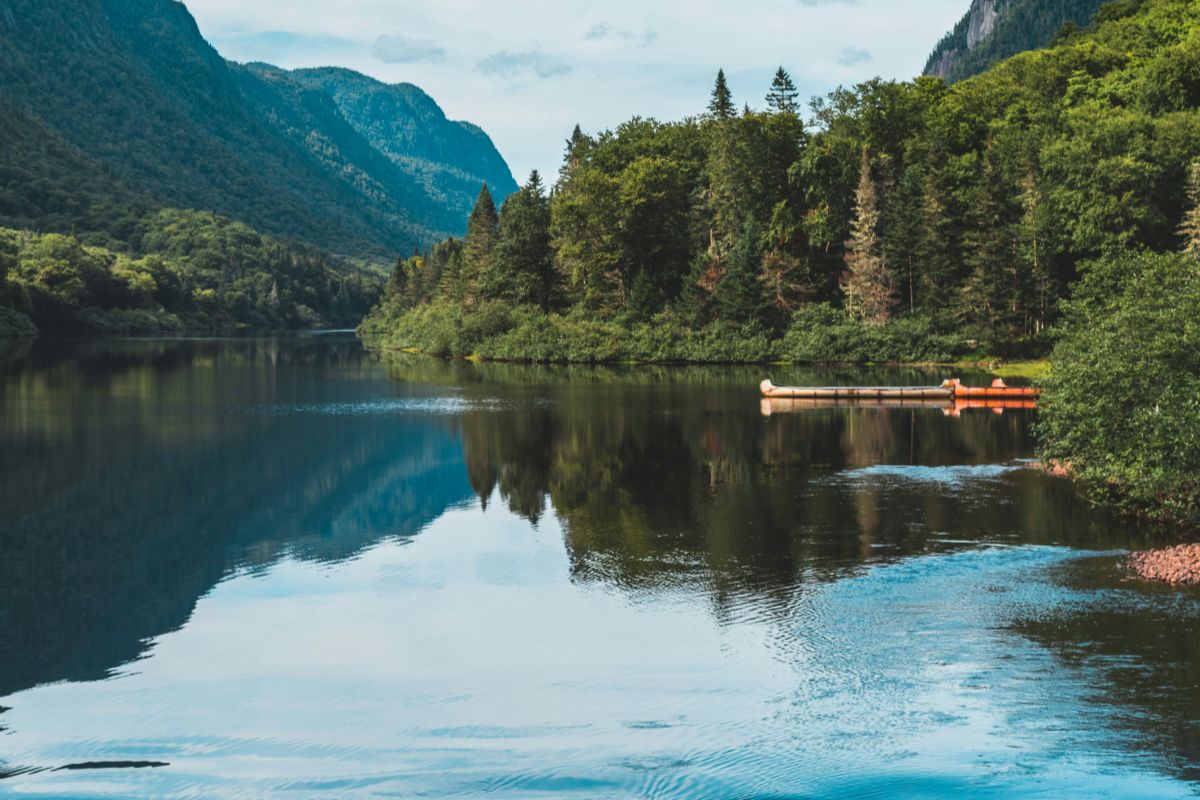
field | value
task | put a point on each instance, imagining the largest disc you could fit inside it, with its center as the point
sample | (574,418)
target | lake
(285,567)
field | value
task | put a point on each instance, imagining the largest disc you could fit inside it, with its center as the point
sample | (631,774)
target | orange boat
(997,391)
(949,390)
(951,407)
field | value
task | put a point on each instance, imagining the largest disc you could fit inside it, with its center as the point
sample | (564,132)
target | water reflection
(628,582)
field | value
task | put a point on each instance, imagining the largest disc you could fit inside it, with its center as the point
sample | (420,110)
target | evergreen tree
(1190,229)
(996,294)
(740,295)
(576,151)
(482,232)
(784,96)
(867,282)
(721,106)
(522,266)
(397,283)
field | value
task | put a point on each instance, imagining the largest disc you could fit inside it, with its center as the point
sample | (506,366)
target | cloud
(396,48)
(853,55)
(602,31)
(507,63)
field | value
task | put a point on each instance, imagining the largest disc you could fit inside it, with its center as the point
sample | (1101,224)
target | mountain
(993,30)
(113,108)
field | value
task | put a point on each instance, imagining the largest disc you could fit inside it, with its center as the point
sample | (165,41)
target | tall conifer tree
(721,106)
(482,233)
(1190,229)
(867,283)
(522,266)
(784,96)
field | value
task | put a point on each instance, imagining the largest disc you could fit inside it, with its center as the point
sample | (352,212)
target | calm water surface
(285,568)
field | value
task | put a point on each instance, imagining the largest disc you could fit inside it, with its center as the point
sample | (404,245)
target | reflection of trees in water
(1138,650)
(139,474)
(682,479)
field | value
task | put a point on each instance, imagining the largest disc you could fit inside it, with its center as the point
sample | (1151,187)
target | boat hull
(950,390)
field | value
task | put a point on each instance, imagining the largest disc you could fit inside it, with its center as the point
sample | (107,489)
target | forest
(186,271)
(893,221)
(1050,205)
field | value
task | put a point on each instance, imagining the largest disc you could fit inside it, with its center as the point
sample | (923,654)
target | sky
(527,71)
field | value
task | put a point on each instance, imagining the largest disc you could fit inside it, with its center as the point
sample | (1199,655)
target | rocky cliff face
(977,26)
(993,30)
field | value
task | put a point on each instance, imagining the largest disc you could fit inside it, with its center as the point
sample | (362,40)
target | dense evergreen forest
(894,221)
(994,30)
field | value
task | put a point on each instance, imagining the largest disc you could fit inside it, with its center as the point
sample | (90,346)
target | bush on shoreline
(1122,406)
(495,331)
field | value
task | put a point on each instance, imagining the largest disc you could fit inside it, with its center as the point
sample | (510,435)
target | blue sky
(528,71)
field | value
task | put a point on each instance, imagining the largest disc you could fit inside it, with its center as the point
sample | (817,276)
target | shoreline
(1176,566)
(1028,370)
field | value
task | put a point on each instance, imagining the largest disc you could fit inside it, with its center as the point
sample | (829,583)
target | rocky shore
(1177,566)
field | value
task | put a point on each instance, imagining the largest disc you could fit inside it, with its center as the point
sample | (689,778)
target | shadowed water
(287,568)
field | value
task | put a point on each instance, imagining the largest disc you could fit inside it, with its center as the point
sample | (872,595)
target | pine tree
(521,270)
(577,147)
(740,295)
(721,106)
(482,232)
(1190,229)
(867,283)
(784,96)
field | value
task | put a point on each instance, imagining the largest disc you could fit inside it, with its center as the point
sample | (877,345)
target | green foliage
(498,331)
(110,109)
(1122,405)
(821,333)
(522,267)
(721,104)
(966,220)
(193,271)
(784,96)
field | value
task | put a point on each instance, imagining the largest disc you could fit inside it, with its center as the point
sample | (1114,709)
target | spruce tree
(1190,229)
(740,295)
(482,232)
(521,269)
(867,282)
(784,96)
(576,150)
(721,106)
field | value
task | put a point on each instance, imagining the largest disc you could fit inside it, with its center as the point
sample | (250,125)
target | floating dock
(951,407)
(949,390)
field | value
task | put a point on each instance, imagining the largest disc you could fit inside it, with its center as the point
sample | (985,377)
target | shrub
(1122,405)
(820,333)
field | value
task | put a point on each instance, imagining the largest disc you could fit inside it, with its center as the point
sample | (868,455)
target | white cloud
(852,56)
(396,48)
(506,63)
(650,59)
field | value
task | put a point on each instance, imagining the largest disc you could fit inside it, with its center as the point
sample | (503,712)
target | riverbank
(816,335)
(1176,566)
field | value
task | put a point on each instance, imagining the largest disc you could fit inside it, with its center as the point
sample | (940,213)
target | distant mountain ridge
(993,30)
(120,107)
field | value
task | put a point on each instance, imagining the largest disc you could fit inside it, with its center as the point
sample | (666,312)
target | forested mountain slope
(993,30)
(129,96)
(894,221)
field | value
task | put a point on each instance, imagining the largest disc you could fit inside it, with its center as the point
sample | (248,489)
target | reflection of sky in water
(952,476)
(467,661)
